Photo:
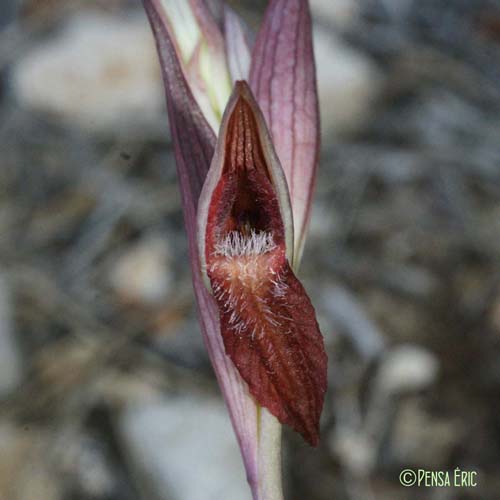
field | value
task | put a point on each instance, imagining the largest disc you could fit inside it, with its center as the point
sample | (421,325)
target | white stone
(10,356)
(348,84)
(184,448)
(100,72)
(407,368)
(142,275)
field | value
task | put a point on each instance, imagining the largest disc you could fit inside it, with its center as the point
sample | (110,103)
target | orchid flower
(245,128)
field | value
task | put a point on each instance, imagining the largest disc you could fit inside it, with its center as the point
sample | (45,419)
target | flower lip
(268,324)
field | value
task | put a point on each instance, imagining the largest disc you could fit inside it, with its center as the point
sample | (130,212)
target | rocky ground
(106,392)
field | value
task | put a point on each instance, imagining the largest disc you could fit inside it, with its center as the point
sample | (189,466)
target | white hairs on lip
(236,244)
(245,289)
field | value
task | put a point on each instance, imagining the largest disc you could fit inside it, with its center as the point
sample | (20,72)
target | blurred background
(106,392)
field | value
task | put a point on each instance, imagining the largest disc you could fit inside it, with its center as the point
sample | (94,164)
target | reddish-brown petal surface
(268,324)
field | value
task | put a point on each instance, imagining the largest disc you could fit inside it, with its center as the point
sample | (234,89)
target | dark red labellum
(268,323)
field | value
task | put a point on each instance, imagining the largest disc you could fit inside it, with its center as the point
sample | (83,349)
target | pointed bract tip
(241,86)
(242,90)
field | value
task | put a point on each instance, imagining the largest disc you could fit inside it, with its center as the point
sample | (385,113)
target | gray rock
(99,73)
(184,448)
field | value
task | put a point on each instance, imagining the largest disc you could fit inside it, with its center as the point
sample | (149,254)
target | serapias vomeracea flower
(246,227)
(246,246)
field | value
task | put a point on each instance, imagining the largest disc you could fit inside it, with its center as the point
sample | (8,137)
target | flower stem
(269,486)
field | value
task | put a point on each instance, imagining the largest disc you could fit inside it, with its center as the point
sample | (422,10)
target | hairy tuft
(236,244)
